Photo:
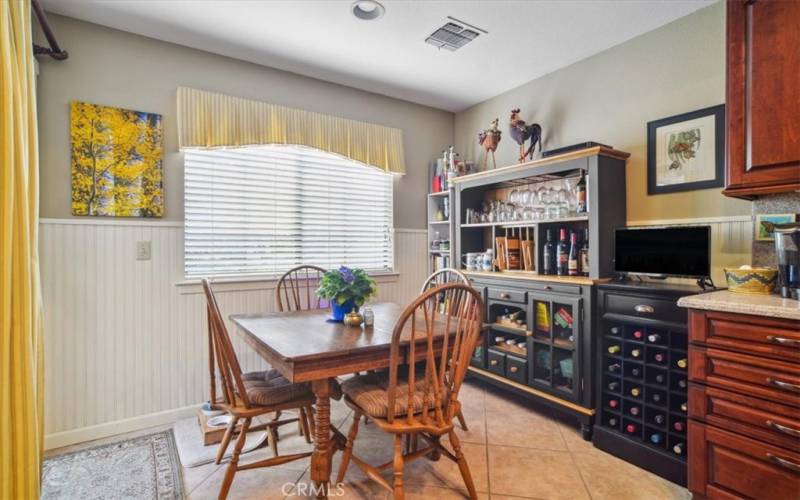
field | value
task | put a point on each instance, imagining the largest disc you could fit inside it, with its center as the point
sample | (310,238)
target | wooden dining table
(305,346)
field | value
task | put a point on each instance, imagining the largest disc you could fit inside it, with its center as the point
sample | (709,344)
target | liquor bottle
(572,260)
(635,372)
(656,438)
(684,407)
(635,391)
(635,353)
(659,357)
(581,192)
(682,363)
(678,449)
(549,254)
(637,334)
(631,428)
(614,349)
(613,386)
(678,426)
(634,411)
(562,254)
(613,403)
(682,383)
(614,367)
(614,330)
(654,338)
(612,422)
(659,419)
(659,378)
(584,253)
(656,397)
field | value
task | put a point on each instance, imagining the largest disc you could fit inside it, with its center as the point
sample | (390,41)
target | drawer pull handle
(504,295)
(786,464)
(783,428)
(783,341)
(644,309)
(493,362)
(513,369)
(548,287)
(780,384)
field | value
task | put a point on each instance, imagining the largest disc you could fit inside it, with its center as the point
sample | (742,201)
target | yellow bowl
(758,280)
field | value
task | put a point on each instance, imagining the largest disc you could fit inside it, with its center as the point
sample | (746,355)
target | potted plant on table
(347,289)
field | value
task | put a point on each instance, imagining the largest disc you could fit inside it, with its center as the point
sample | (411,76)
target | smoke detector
(454,35)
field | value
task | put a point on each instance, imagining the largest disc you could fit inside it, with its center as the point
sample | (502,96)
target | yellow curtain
(213,120)
(21,381)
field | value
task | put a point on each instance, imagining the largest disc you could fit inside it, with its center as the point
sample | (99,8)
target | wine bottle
(635,372)
(562,254)
(635,391)
(678,426)
(572,260)
(682,383)
(614,330)
(634,411)
(581,193)
(614,349)
(659,378)
(678,449)
(656,438)
(631,428)
(613,403)
(659,357)
(549,254)
(612,422)
(584,253)
(636,353)
(659,419)
(656,397)
(682,363)
(613,386)
(654,338)
(614,367)
(684,407)
(638,335)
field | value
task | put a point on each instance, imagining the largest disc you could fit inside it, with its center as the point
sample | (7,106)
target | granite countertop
(759,305)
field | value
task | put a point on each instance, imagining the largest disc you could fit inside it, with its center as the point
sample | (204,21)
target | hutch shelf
(540,336)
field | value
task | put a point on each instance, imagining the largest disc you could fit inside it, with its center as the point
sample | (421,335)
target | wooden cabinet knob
(493,362)
(514,369)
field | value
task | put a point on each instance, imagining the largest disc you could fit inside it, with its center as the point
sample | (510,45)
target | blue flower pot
(338,311)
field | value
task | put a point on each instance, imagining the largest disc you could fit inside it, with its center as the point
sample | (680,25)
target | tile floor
(515,449)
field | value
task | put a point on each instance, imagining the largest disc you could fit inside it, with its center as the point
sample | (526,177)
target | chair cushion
(369,392)
(269,387)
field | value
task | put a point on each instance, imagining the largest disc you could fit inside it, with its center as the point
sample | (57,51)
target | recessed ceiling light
(367,10)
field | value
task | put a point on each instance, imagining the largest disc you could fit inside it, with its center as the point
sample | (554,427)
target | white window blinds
(266,209)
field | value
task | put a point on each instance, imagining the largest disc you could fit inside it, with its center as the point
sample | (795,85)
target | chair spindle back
(298,284)
(444,276)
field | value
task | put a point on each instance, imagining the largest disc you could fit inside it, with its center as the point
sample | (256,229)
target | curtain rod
(54,50)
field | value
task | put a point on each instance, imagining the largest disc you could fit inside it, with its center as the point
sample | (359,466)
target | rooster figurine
(521,132)
(489,139)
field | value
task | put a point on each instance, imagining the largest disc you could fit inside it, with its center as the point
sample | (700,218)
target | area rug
(193,453)
(145,467)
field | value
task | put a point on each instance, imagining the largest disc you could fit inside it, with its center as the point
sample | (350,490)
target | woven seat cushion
(269,388)
(369,392)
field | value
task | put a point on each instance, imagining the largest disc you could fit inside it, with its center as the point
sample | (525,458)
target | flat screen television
(663,251)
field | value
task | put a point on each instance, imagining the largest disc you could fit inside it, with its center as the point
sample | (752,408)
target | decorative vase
(339,310)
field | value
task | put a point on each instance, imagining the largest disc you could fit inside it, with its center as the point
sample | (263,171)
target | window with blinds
(266,209)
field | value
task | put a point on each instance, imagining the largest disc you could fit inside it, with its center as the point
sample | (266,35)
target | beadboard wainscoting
(731,240)
(125,339)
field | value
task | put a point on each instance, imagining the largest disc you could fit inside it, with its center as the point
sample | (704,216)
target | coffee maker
(787,249)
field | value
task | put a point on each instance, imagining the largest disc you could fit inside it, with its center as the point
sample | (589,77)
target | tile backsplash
(784,203)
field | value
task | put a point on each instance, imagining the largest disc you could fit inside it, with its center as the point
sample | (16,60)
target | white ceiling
(322,39)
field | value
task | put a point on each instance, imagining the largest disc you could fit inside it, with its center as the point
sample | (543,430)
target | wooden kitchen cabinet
(763,97)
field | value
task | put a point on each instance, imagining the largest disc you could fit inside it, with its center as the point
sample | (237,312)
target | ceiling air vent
(454,35)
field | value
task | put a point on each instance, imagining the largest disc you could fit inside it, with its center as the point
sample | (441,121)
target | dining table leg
(323,448)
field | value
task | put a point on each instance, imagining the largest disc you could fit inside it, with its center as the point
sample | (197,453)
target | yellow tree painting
(116,162)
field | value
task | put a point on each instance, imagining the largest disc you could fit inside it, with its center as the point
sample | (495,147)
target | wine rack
(642,393)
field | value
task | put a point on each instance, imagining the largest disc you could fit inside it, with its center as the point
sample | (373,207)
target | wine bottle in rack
(612,421)
(614,349)
(635,411)
(572,258)
(613,403)
(631,428)
(549,254)
(678,426)
(614,330)
(682,383)
(636,372)
(636,353)
(614,367)
(613,386)
(659,378)
(635,392)
(656,438)
(637,334)
(562,254)
(678,449)
(682,363)
(654,338)
(660,357)
(659,419)
(656,397)
(684,407)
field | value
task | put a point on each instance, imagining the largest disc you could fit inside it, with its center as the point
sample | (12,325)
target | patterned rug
(145,467)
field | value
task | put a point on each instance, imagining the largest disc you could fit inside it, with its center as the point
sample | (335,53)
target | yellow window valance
(213,120)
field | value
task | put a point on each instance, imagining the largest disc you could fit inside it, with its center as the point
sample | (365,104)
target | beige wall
(111,67)
(610,97)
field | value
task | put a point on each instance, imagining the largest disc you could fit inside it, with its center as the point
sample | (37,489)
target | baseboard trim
(92,432)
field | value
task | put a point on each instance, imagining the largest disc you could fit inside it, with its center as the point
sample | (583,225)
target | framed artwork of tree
(116,161)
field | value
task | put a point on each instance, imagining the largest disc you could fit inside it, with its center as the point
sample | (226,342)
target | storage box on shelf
(642,356)
(555,364)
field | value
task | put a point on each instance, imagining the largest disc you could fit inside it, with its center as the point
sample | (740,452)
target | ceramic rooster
(489,139)
(521,132)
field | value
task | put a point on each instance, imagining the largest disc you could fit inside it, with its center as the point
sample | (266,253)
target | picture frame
(686,152)
(762,234)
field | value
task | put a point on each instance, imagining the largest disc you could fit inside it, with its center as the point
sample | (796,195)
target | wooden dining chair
(429,356)
(250,395)
(297,287)
(440,277)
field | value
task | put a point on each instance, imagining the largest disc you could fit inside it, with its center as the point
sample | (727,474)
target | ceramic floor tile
(529,429)
(571,432)
(356,486)
(543,474)
(476,424)
(194,476)
(271,483)
(419,492)
(445,473)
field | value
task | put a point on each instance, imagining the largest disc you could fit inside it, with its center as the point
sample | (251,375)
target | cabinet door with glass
(554,344)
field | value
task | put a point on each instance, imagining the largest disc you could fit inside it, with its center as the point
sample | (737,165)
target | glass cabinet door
(556,328)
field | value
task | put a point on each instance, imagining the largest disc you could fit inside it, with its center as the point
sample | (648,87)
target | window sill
(257,282)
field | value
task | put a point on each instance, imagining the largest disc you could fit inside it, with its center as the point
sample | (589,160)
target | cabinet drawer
(751,334)
(553,287)
(496,362)
(727,465)
(763,420)
(517,369)
(508,295)
(645,307)
(778,381)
